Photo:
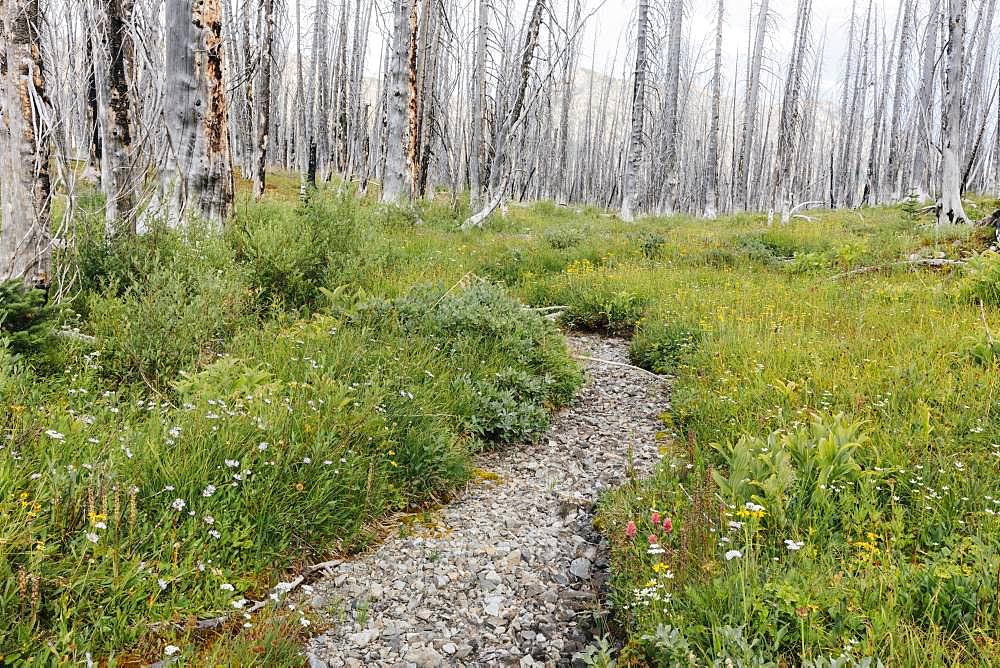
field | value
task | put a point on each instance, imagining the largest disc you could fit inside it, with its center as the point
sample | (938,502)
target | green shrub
(171,323)
(809,262)
(980,281)
(652,244)
(660,346)
(26,320)
(289,257)
(562,238)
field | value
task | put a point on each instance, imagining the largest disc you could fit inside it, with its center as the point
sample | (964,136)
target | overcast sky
(611,27)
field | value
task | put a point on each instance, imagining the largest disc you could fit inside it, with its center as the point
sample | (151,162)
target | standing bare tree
(671,121)
(262,117)
(750,108)
(394,183)
(949,206)
(198,178)
(712,177)
(498,169)
(112,49)
(630,184)
(25,189)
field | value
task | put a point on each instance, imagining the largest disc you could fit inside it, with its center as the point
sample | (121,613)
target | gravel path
(510,573)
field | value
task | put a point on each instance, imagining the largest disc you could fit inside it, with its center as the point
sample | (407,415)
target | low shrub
(561,238)
(27,320)
(170,323)
(660,346)
(980,280)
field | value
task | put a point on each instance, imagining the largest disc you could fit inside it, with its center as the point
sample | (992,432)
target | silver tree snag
(633,160)
(395,182)
(499,176)
(262,115)
(25,187)
(111,45)
(198,178)
(741,185)
(671,131)
(949,206)
(710,209)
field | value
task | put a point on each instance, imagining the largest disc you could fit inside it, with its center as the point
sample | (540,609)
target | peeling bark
(25,188)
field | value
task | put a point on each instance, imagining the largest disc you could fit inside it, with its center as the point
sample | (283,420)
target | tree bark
(394,182)
(113,61)
(263,99)
(198,180)
(949,207)
(25,188)
(712,179)
(630,184)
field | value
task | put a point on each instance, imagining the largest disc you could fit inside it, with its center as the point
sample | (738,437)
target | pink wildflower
(668,524)
(655,518)
(630,529)
(653,540)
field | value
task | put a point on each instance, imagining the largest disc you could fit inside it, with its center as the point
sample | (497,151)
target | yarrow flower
(232,463)
(170,650)
(93,537)
(733,554)
(55,435)
(793,545)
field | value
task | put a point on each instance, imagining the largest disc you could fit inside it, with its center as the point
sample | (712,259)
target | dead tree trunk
(113,56)
(198,180)
(750,109)
(949,207)
(263,98)
(498,173)
(25,189)
(712,180)
(394,183)
(478,93)
(630,184)
(672,121)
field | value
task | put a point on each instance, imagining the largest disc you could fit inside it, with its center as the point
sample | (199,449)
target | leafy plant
(26,319)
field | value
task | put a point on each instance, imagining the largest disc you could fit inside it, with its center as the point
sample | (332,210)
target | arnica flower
(668,524)
(630,529)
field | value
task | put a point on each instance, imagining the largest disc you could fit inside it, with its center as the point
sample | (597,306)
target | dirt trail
(510,572)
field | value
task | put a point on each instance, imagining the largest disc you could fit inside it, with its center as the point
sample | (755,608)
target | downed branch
(622,364)
(927,261)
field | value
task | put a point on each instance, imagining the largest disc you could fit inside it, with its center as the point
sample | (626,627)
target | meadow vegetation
(256,399)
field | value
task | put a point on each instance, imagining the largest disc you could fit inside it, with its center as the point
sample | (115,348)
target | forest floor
(511,572)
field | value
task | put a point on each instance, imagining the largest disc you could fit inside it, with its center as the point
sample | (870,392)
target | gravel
(512,572)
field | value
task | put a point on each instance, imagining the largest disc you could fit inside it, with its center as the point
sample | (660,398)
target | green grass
(376,350)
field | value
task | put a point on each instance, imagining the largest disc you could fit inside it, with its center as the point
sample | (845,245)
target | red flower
(630,529)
